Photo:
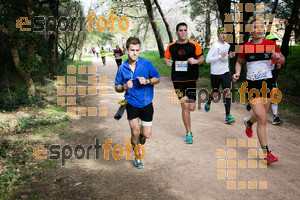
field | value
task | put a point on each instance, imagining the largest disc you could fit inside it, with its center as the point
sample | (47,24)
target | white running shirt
(218,65)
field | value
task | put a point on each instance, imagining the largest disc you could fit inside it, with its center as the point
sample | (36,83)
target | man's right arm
(210,58)
(168,62)
(119,88)
(238,68)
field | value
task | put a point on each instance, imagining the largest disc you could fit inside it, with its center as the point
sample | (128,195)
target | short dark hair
(132,40)
(180,24)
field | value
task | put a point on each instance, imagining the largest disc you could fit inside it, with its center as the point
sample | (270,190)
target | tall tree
(223,7)
(272,12)
(207,22)
(52,42)
(154,27)
(10,12)
(164,20)
(289,28)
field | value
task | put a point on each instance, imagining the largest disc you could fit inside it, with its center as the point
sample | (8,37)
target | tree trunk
(154,27)
(52,42)
(288,29)
(145,34)
(246,16)
(165,21)
(223,7)
(208,32)
(21,71)
(297,35)
(273,12)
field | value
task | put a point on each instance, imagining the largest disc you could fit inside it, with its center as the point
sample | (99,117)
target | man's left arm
(154,81)
(197,61)
(148,81)
(200,58)
(153,75)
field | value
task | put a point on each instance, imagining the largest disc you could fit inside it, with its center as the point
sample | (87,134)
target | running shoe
(189,138)
(277,121)
(138,164)
(248,131)
(207,107)
(248,107)
(270,158)
(229,119)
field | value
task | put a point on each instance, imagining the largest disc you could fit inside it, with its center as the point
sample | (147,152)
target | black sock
(266,147)
(209,99)
(249,123)
(227,105)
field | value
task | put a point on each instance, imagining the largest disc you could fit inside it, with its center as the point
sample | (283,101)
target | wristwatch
(149,83)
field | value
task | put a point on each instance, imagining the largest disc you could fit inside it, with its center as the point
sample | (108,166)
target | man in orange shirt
(185,56)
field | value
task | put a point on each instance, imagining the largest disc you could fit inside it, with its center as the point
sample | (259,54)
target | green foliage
(99,38)
(289,76)
(197,9)
(26,123)
(158,62)
(20,98)
(16,167)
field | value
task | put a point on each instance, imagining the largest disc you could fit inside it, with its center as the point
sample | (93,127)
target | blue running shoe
(189,138)
(207,107)
(229,119)
(138,164)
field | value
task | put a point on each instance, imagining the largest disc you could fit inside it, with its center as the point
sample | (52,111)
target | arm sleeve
(198,51)
(210,58)
(119,77)
(242,52)
(167,53)
(153,72)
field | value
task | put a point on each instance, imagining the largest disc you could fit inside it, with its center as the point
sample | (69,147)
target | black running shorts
(186,89)
(223,79)
(145,113)
(258,85)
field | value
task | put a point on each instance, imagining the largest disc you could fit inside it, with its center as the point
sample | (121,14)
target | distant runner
(103,55)
(118,55)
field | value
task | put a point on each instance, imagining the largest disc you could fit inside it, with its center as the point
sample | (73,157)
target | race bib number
(258,75)
(223,61)
(181,66)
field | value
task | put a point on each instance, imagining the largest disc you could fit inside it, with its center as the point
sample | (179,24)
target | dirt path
(173,169)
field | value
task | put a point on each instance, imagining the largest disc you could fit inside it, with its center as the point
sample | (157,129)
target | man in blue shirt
(136,76)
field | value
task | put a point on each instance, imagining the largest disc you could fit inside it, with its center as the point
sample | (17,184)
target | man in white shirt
(218,57)
(97,50)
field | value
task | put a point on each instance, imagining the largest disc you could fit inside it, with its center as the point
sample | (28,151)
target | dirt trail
(173,169)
